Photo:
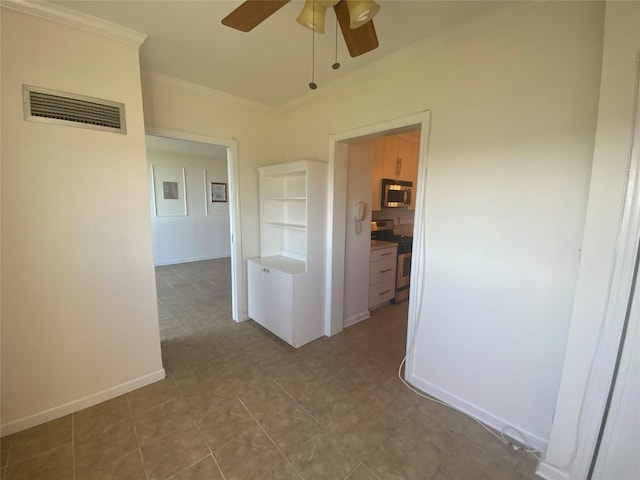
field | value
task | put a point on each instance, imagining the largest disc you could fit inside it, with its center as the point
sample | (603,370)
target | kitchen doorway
(338,214)
(219,194)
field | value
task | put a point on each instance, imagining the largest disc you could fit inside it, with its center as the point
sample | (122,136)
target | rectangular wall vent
(62,108)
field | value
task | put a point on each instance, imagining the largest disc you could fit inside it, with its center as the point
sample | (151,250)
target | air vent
(51,106)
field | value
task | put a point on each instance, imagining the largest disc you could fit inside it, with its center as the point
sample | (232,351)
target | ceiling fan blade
(359,40)
(252,13)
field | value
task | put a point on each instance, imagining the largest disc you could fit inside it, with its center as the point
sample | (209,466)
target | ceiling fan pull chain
(312,84)
(336,64)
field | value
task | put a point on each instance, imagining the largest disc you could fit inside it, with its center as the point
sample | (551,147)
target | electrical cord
(527,448)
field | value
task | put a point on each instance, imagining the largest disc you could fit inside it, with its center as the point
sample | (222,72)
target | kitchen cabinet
(382,273)
(376,186)
(396,157)
(283,283)
(408,151)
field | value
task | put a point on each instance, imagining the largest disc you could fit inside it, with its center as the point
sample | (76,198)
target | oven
(403,273)
(383,230)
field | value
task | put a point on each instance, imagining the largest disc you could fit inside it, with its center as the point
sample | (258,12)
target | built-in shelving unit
(286,283)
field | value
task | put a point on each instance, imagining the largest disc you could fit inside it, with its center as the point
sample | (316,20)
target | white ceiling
(272,63)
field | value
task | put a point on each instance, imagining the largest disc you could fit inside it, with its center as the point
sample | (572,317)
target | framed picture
(169,191)
(218,192)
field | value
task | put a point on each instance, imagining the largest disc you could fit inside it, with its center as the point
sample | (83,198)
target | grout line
(41,452)
(188,466)
(135,431)
(158,405)
(372,473)
(268,436)
(215,460)
(350,474)
(73,444)
(6,465)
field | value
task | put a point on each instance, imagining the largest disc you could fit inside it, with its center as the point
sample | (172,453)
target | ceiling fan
(354,17)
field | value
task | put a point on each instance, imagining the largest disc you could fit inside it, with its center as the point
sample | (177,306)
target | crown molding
(76,19)
(200,89)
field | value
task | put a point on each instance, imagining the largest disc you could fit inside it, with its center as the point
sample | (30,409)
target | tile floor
(239,404)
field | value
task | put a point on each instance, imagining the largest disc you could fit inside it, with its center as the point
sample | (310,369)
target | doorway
(218,195)
(337,218)
(378,237)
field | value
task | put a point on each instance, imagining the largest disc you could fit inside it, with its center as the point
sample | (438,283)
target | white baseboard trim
(353,319)
(549,472)
(176,261)
(476,412)
(79,404)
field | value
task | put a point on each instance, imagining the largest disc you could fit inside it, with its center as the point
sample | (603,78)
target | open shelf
(285,281)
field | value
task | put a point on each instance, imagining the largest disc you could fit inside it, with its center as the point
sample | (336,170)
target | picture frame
(169,191)
(218,192)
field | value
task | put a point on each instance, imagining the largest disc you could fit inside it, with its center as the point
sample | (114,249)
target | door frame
(337,211)
(238,296)
(577,458)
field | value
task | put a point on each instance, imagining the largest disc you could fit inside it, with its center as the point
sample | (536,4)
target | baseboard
(177,261)
(353,319)
(79,404)
(476,412)
(549,472)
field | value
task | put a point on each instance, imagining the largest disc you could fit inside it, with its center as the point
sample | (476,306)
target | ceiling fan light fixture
(312,16)
(361,11)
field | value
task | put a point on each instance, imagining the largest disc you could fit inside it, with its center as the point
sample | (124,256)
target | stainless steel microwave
(396,193)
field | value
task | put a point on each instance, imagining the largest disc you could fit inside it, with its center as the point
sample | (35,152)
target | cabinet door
(409,166)
(391,158)
(378,166)
(271,299)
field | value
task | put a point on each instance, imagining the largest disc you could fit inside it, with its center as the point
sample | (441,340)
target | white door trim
(589,416)
(620,298)
(336,216)
(238,302)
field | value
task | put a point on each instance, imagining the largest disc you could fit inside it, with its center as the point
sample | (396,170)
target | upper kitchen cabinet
(396,157)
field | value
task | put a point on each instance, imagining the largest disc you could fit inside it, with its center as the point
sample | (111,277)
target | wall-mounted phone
(358,213)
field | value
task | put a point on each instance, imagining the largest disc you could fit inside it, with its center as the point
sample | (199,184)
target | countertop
(378,244)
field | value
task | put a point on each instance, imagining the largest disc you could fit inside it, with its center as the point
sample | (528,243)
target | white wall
(204,232)
(511,143)
(357,246)
(79,315)
(606,195)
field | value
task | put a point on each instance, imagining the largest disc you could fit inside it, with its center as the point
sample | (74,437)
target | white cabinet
(286,283)
(271,296)
(382,275)
(396,157)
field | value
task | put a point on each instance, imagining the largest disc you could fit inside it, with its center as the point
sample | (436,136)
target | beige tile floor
(239,404)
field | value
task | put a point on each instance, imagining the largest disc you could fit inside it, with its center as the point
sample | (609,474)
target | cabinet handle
(399,166)
(385,270)
(384,293)
(265,270)
(388,253)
